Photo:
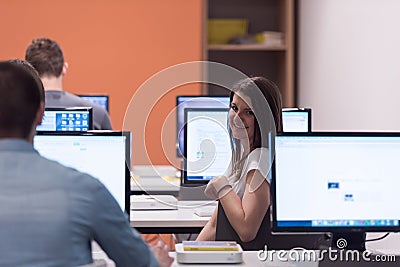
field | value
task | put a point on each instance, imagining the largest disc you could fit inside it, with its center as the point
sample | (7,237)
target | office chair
(96,263)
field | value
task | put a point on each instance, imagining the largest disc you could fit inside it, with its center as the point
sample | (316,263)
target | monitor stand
(189,192)
(349,241)
(192,193)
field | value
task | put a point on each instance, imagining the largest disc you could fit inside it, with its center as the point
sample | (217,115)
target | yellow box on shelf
(220,31)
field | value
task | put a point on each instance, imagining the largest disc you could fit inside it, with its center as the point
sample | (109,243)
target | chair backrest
(96,263)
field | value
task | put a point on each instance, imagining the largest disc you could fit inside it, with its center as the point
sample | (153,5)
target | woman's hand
(217,187)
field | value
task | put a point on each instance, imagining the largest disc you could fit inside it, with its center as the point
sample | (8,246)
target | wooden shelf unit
(248,47)
(273,62)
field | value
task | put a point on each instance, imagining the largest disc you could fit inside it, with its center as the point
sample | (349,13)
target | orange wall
(112,47)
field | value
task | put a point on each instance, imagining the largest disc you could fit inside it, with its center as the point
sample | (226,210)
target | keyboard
(205,211)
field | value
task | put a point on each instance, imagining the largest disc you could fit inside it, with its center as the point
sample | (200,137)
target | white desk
(155,185)
(250,259)
(182,220)
(155,179)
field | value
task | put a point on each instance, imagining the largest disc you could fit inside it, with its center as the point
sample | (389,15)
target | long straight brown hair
(272,96)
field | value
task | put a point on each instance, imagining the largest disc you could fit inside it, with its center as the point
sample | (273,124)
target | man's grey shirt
(49,214)
(58,98)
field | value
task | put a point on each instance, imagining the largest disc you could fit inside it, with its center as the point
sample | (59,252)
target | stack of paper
(270,38)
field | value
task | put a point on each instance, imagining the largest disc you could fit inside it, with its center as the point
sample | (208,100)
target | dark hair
(20,99)
(46,57)
(25,64)
(260,91)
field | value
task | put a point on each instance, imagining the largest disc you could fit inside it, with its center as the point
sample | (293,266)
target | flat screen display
(207,144)
(101,100)
(100,154)
(296,120)
(336,182)
(183,102)
(66,119)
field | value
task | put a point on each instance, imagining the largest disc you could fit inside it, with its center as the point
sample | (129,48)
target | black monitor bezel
(95,95)
(184,180)
(106,133)
(61,109)
(307,110)
(178,151)
(353,229)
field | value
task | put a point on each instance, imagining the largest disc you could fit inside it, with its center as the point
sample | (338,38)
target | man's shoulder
(65,98)
(83,102)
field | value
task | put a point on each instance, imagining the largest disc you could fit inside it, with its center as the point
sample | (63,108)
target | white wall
(349,63)
(349,70)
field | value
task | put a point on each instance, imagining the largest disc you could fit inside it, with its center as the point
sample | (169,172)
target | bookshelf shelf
(275,62)
(247,47)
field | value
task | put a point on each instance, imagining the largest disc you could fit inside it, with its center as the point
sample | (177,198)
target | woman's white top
(258,159)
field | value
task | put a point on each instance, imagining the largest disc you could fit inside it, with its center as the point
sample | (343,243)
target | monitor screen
(336,182)
(67,119)
(207,144)
(296,120)
(183,102)
(101,100)
(100,154)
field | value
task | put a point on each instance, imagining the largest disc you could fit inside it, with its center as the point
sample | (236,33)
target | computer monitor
(201,101)
(100,154)
(67,119)
(296,120)
(207,144)
(344,183)
(101,100)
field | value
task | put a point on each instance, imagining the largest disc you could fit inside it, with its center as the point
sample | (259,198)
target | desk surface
(153,179)
(182,220)
(250,258)
(155,184)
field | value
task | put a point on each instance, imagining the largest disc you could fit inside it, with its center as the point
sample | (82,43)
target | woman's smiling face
(241,118)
